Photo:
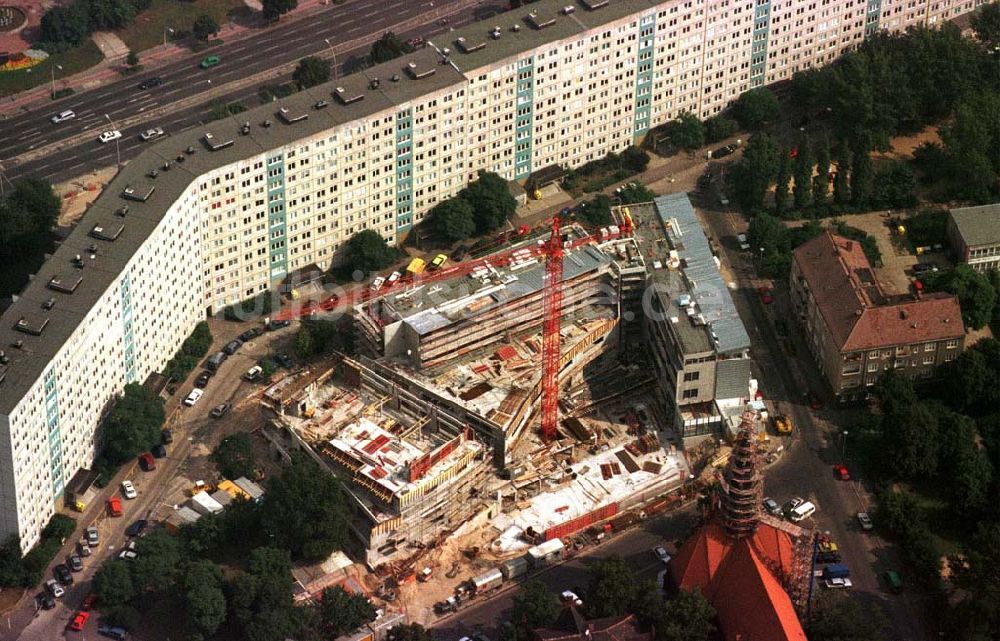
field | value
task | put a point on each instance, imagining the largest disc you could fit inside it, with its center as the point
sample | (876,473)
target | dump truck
(782,424)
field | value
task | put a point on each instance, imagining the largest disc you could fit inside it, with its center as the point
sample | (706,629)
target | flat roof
(978,225)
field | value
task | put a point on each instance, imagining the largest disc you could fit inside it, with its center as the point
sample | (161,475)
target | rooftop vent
(78,261)
(152,173)
(215,144)
(568,9)
(189,151)
(345,97)
(495,34)
(265,124)
(373,83)
(104,231)
(49,304)
(245,129)
(516,28)
(539,23)
(594,4)
(291,118)
(122,211)
(34,326)
(416,73)
(320,104)
(166,166)
(394,77)
(139,193)
(17,344)
(66,285)
(469,47)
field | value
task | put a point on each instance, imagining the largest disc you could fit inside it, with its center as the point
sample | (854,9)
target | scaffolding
(741,495)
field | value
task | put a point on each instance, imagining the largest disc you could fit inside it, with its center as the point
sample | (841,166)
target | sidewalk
(109,70)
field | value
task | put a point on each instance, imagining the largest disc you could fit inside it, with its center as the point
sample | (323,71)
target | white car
(128,553)
(865,521)
(662,554)
(150,134)
(568,596)
(193,397)
(54,588)
(393,277)
(253,373)
(63,116)
(128,490)
(742,240)
(377,283)
(108,136)
(838,584)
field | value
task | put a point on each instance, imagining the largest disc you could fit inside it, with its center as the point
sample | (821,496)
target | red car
(765,295)
(840,471)
(79,620)
(115,506)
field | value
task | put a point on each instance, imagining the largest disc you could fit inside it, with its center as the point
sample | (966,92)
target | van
(836,571)
(416,266)
(215,360)
(232,347)
(802,512)
(54,588)
(112,632)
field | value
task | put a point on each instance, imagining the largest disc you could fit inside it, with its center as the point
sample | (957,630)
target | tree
(410,632)
(894,187)
(204,26)
(845,619)
(388,47)
(453,219)
(686,132)
(261,599)
(803,173)
(534,606)
(911,442)
(753,174)
(718,128)
(634,160)
(755,108)
(986,24)
(634,193)
(113,583)
(133,425)
(274,9)
(158,561)
(781,180)
(65,27)
(862,174)
(108,15)
(491,201)
(976,295)
(597,211)
(304,512)
(841,189)
(132,59)
(234,456)
(368,252)
(342,612)
(203,537)
(611,591)
(311,71)
(967,467)
(204,600)
(821,182)
(687,617)
(971,383)
(977,616)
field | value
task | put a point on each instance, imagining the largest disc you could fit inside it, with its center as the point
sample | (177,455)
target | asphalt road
(272,47)
(634,546)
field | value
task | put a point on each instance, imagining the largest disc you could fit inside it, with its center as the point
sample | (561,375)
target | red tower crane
(552,307)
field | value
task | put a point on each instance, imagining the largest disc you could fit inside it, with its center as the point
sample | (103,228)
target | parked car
(44,601)
(438,261)
(53,588)
(112,632)
(568,596)
(128,553)
(765,294)
(147,461)
(128,490)
(232,347)
(893,581)
(661,553)
(278,324)
(921,268)
(167,437)
(108,136)
(828,557)
(722,152)
(114,509)
(193,397)
(393,277)
(149,83)
(74,562)
(202,381)
(151,134)
(220,410)
(840,471)
(83,549)
(253,373)
(460,252)
(158,451)
(89,602)
(63,116)
(250,334)
(93,537)
(137,528)
(284,361)
(838,584)
(741,239)
(78,621)
(62,574)
(771,507)
(865,521)
(377,283)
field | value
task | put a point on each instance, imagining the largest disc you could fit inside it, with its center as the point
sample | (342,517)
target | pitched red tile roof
(857,312)
(571,626)
(742,580)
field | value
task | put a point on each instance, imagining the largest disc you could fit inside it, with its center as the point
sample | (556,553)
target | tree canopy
(976,295)
(388,47)
(311,71)
(986,24)
(687,132)
(204,599)
(846,619)
(204,26)
(453,219)
(534,606)
(133,425)
(686,617)
(27,215)
(274,9)
(597,211)
(410,632)
(234,456)
(719,127)
(368,252)
(611,591)
(755,108)
(342,612)
(491,201)
(753,174)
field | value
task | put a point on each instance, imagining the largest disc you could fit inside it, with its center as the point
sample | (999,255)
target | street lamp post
(53,69)
(843,441)
(166,30)
(118,152)
(334,54)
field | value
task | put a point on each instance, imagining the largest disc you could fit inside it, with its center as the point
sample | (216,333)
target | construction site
(514,394)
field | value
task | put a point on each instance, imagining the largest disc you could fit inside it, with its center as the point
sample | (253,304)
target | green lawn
(73,61)
(147,30)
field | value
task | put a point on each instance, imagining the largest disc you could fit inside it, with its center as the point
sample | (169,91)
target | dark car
(62,574)
(920,268)
(283,360)
(250,334)
(136,528)
(149,83)
(45,601)
(278,324)
(203,379)
(147,462)
(112,632)
(828,557)
(167,437)
(460,252)
(74,562)
(158,451)
(722,152)
(232,347)
(221,410)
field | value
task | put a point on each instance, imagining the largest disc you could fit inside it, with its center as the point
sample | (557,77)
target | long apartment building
(217,214)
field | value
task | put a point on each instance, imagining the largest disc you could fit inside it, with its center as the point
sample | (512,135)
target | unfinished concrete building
(412,473)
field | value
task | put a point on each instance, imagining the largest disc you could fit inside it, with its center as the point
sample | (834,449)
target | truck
(487,581)
(416,266)
(513,568)
(836,571)
(545,553)
(782,424)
